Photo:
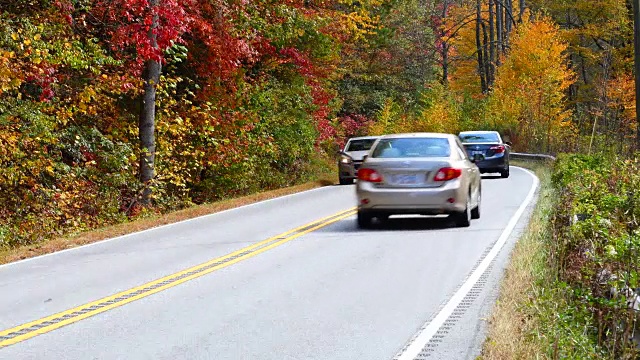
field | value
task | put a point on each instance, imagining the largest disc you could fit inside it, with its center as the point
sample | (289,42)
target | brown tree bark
(499,34)
(509,23)
(487,62)
(492,45)
(445,46)
(146,125)
(479,47)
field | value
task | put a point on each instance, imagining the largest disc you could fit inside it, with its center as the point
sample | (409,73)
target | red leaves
(132,20)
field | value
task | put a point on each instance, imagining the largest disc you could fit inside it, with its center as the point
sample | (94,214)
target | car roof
(479,132)
(418,134)
(363,138)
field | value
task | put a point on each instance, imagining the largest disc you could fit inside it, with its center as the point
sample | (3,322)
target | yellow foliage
(439,114)
(528,98)
(464,76)
(9,76)
(360,21)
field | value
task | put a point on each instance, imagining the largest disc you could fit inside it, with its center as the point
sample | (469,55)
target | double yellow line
(56,321)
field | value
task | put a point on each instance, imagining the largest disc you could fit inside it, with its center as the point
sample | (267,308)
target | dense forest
(113,107)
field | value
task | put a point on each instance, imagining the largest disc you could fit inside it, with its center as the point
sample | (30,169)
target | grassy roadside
(151,221)
(535,316)
(514,321)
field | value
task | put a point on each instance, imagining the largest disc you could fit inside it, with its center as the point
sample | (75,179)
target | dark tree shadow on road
(490,177)
(392,224)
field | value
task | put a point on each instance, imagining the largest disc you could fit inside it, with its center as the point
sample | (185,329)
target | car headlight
(345,160)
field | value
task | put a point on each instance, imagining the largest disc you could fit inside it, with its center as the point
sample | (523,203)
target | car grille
(357,164)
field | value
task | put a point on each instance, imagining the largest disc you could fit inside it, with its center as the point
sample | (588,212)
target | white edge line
(162,226)
(425,335)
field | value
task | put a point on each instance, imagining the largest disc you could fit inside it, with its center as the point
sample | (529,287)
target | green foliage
(597,244)
(392,63)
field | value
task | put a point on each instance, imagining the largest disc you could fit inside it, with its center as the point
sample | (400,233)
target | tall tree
(146,126)
(499,35)
(492,45)
(480,48)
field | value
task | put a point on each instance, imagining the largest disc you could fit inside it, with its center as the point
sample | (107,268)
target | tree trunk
(523,5)
(479,49)
(146,126)
(445,64)
(636,53)
(499,35)
(509,23)
(445,46)
(492,45)
(487,63)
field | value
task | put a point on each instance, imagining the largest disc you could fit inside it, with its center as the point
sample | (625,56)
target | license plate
(404,179)
(474,153)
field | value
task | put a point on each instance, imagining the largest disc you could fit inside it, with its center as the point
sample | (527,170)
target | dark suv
(490,145)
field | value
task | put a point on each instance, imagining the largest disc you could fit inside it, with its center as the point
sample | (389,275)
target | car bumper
(449,198)
(496,163)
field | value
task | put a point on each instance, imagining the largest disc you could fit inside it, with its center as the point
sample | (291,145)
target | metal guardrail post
(534,157)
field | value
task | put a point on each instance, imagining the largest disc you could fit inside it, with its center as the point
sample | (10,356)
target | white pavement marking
(427,332)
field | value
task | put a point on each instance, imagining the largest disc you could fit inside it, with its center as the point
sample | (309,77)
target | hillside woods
(258,95)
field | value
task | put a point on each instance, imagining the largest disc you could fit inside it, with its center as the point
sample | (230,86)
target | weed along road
(289,278)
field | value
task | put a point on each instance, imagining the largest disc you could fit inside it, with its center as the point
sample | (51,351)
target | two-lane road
(289,278)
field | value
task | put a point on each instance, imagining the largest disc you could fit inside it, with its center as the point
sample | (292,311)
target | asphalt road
(415,288)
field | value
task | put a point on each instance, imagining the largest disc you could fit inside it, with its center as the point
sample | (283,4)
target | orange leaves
(622,98)
(529,92)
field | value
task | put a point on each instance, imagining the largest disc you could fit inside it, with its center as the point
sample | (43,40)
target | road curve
(302,282)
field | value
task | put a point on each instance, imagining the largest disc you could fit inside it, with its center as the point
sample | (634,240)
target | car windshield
(360,145)
(412,147)
(479,138)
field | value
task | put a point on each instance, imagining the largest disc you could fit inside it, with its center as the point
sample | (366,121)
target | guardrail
(534,157)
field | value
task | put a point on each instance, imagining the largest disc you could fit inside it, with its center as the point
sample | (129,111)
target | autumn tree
(529,97)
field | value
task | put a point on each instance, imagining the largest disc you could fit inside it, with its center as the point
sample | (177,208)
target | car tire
(504,173)
(475,212)
(383,218)
(462,219)
(364,220)
(344,181)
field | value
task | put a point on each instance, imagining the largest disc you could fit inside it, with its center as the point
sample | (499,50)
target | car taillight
(497,149)
(447,173)
(369,175)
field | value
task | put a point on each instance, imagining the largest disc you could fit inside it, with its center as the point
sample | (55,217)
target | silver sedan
(421,174)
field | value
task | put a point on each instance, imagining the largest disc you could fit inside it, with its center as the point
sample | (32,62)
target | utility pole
(636,51)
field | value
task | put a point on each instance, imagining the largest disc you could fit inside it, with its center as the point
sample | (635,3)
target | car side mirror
(365,157)
(508,143)
(477,158)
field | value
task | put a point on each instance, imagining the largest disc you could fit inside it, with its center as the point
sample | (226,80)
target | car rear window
(360,145)
(479,138)
(412,147)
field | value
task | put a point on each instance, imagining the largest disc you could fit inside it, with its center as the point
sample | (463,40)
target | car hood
(357,155)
